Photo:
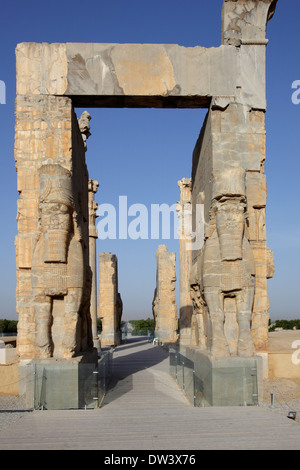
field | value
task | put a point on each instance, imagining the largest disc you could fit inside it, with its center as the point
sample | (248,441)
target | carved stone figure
(200,318)
(84,127)
(58,272)
(227,267)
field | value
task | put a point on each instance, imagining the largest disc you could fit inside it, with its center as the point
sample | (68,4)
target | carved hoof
(220,349)
(45,353)
(245,347)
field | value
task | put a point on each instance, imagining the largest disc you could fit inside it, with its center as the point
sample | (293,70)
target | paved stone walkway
(145,410)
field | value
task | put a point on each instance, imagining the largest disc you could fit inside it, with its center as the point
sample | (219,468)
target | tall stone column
(184,211)
(109,302)
(93,235)
(232,268)
(164,307)
(52,254)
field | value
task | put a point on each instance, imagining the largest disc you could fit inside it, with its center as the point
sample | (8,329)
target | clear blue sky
(143,153)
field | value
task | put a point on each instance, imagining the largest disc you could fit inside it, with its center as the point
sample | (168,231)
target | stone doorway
(227,176)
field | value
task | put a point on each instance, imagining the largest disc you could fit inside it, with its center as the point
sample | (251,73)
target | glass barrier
(105,369)
(62,385)
(182,370)
(148,334)
(229,382)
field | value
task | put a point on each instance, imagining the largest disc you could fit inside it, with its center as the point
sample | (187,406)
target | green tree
(99,325)
(142,325)
(285,325)
(8,326)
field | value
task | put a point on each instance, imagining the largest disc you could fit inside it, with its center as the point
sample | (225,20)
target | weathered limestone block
(244,25)
(127,74)
(244,21)
(33,60)
(164,307)
(109,300)
(239,137)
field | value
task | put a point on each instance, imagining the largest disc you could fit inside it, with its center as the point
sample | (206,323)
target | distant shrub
(8,326)
(143,325)
(285,325)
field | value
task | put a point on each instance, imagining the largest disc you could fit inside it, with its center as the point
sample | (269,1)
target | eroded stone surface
(164,306)
(109,300)
(244,21)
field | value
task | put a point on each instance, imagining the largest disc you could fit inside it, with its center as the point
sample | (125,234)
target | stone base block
(166,337)
(233,381)
(60,384)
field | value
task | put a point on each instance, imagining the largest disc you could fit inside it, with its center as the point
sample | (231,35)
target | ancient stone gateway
(227,302)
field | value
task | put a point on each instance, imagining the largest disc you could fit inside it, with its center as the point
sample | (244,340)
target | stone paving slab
(145,410)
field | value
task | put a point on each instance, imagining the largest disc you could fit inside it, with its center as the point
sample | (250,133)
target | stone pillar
(52,254)
(164,307)
(184,211)
(234,255)
(109,303)
(230,271)
(93,235)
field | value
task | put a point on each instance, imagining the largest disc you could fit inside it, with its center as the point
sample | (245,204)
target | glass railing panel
(105,367)
(235,386)
(182,370)
(72,386)
(173,362)
(188,378)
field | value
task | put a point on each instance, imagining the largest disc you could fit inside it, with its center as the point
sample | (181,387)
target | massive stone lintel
(142,75)
(164,307)
(109,300)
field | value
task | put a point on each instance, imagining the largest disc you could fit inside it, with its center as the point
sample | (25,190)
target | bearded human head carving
(56,208)
(58,268)
(227,269)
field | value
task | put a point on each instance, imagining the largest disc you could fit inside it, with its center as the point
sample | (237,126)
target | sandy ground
(286,391)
